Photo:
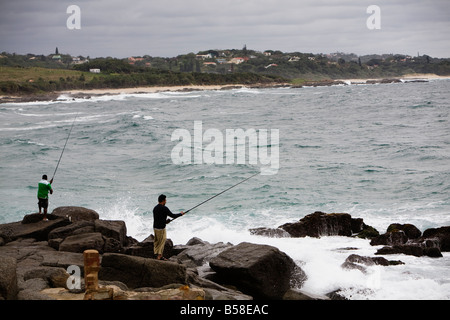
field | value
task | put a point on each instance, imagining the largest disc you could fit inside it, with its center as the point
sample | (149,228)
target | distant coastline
(156,89)
(87,93)
(408,77)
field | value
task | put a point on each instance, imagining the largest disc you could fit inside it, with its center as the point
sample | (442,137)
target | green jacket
(43,188)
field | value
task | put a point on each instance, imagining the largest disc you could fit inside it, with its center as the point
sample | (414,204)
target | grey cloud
(171,27)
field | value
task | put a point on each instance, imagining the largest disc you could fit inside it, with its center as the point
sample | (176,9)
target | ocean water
(377,152)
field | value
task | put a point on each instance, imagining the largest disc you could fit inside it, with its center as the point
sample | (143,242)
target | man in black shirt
(160,214)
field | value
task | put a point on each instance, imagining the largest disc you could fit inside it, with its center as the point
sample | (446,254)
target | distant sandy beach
(80,93)
(426,76)
(134,90)
(411,76)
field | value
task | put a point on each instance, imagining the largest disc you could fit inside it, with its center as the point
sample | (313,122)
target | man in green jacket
(44,187)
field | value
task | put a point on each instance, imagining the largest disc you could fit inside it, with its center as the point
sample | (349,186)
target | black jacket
(160,214)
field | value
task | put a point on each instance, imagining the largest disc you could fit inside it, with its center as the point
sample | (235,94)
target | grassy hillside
(35,80)
(19,75)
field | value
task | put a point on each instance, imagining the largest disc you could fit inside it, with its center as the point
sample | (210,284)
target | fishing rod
(64,148)
(198,205)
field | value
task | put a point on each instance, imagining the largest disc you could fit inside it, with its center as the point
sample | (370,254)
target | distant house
(56,57)
(132,60)
(78,60)
(237,60)
(271,65)
(209,63)
(94,70)
(221,60)
(204,56)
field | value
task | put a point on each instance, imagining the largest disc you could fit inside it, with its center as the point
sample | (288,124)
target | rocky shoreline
(88,94)
(37,259)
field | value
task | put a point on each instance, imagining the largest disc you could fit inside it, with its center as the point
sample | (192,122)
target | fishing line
(198,205)
(65,144)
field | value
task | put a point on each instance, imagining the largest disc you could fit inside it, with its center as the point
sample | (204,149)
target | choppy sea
(378,152)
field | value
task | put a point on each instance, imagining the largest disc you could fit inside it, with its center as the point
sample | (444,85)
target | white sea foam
(137,226)
(246,90)
(320,258)
(44,114)
(45,126)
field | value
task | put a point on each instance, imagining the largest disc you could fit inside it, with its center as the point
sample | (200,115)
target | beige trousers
(160,241)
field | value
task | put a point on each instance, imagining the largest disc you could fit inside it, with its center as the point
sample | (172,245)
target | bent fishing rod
(64,148)
(198,205)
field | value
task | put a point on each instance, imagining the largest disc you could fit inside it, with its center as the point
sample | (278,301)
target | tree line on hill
(214,67)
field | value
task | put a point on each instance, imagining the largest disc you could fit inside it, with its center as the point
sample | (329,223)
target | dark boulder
(407,239)
(145,248)
(137,272)
(413,249)
(433,252)
(296,294)
(442,235)
(391,238)
(115,229)
(259,270)
(76,213)
(8,278)
(112,245)
(270,232)
(80,242)
(197,252)
(36,217)
(320,224)
(358,262)
(56,277)
(368,261)
(368,232)
(32,226)
(74,228)
(62,259)
(411,231)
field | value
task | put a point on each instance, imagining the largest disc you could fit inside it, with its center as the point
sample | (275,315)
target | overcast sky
(168,28)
